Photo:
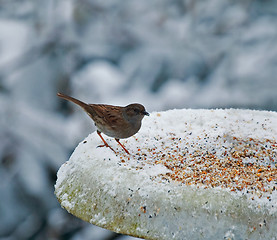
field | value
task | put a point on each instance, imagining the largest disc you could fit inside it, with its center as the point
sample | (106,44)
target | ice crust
(132,194)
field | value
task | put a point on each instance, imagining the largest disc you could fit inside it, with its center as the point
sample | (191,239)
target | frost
(187,177)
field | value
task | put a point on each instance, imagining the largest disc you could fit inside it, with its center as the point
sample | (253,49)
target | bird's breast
(118,131)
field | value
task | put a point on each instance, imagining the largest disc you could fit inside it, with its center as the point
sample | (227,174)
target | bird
(114,121)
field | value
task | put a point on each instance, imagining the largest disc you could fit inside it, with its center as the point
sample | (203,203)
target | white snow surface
(132,194)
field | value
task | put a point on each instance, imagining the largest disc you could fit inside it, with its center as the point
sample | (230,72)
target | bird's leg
(105,143)
(116,139)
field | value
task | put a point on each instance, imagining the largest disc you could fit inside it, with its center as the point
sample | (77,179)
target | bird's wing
(107,114)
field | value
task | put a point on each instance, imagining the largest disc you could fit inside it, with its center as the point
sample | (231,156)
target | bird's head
(135,112)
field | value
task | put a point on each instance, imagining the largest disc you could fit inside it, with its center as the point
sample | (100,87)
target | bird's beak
(145,113)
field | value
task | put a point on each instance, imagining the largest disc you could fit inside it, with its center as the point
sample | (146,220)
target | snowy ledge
(208,174)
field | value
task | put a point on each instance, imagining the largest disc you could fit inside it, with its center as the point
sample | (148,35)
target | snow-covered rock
(191,174)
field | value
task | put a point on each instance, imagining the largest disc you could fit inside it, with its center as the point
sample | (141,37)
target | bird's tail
(83,105)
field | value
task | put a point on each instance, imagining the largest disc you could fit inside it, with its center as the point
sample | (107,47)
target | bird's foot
(104,145)
(122,146)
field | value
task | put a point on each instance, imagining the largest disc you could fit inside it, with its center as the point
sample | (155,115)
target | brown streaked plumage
(114,121)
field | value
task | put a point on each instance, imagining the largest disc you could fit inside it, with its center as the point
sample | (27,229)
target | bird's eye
(136,110)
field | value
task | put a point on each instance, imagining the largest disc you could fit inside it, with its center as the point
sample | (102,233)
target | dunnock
(114,121)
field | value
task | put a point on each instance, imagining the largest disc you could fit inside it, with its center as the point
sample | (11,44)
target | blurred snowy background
(163,54)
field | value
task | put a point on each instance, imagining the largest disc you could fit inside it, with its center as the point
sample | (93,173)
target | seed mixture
(204,160)
(242,165)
